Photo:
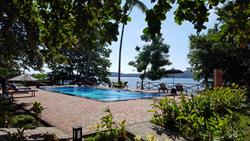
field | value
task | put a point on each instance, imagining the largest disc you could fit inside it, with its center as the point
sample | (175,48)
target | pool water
(102,94)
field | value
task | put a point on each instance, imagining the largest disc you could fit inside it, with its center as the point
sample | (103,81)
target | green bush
(109,130)
(208,116)
(37,108)
(5,119)
(21,123)
(165,113)
(11,119)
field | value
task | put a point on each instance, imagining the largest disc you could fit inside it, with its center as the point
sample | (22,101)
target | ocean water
(169,81)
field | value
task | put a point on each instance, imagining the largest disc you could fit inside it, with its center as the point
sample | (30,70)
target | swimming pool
(102,94)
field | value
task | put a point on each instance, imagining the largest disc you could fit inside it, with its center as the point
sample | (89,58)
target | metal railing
(189,88)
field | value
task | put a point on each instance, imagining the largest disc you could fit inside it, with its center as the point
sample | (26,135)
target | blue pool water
(102,94)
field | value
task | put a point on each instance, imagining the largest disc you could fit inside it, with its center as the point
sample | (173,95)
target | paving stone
(147,128)
(65,111)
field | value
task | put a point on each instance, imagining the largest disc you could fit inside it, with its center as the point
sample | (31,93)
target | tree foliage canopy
(234,16)
(84,65)
(19,37)
(206,54)
(34,32)
(234,23)
(152,58)
(226,46)
(62,34)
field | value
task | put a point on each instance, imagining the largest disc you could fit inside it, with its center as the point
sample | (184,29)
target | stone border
(37,131)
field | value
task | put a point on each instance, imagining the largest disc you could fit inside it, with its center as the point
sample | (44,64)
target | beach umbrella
(23,78)
(173,71)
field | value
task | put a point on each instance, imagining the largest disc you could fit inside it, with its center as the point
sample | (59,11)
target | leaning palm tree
(128,7)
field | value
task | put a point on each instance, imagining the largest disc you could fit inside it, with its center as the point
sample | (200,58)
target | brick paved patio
(64,111)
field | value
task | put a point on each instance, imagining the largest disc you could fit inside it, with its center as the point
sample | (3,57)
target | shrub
(208,116)
(37,108)
(165,113)
(5,119)
(21,123)
(109,130)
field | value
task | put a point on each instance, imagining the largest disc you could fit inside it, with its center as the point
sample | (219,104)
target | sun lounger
(163,88)
(12,90)
(22,91)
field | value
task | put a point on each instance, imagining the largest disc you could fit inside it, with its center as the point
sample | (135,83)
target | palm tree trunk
(120,54)
(142,80)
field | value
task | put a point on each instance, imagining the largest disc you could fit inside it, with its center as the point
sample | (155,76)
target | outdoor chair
(173,92)
(121,85)
(125,84)
(163,88)
(12,89)
(179,87)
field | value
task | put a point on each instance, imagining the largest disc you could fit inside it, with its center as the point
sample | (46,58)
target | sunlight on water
(102,94)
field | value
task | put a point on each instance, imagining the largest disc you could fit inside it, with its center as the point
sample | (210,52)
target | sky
(174,35)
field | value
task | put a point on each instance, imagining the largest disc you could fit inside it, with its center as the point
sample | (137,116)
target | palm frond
(140,5)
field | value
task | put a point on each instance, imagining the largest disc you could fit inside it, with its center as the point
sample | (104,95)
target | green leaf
(129,19)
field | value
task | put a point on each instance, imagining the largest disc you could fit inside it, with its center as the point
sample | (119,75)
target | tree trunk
(142,80)
(142,88)
(120,54)
(4,85)
(206,82)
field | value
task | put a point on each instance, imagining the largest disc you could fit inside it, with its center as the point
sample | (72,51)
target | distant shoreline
(185,74)
(162,77)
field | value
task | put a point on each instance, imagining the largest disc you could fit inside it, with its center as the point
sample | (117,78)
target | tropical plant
(128,7)
(149,137)
(109,130)
(151,59)
(37,108)
(166,113)
(212,115)
(21,123)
